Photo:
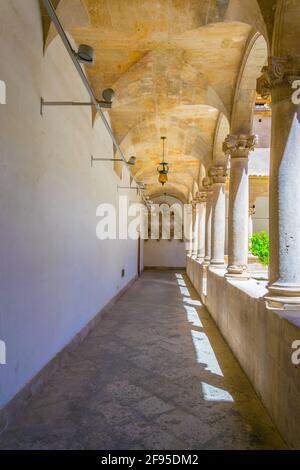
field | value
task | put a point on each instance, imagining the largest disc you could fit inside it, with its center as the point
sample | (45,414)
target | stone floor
(154,374)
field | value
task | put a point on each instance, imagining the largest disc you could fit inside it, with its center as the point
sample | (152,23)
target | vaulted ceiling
(178,68)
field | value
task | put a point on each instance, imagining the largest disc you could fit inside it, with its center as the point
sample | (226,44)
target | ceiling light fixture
(163,168)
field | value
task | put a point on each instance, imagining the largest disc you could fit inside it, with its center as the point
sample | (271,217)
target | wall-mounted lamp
(140,186)
(131,161)
(85,54)
(108,96)
(137,188)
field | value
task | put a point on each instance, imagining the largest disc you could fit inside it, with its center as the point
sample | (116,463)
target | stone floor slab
(155,373)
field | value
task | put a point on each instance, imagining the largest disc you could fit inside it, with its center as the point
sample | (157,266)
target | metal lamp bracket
(102,104)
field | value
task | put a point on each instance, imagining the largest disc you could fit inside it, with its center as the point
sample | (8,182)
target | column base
(283,296)
(200,259)
(217,263)
(206,262)
(240,273)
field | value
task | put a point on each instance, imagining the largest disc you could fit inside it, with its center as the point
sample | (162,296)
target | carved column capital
(280,71)
(218,174)
(239,145)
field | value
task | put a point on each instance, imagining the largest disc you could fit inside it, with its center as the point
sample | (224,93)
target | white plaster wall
(259,162)
(164,253)
(261,217)
(55,274)
(259,159)
(262,128)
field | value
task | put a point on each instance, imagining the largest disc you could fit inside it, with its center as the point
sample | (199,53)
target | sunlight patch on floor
(192,316)
(205,353)
(190,301)
(211,393)
(179,276)
(184,291)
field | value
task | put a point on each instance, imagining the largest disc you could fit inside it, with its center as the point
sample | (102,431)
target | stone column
(208,188)
(188,228)
(218,176)
(238,147)
(195,229)
(202,197)
(279,79)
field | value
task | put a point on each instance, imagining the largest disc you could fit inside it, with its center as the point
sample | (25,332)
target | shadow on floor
(155,373)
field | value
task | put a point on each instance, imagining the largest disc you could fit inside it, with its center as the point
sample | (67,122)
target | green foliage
(260,246)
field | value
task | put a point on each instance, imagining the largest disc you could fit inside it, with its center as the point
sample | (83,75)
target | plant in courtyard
(260,246)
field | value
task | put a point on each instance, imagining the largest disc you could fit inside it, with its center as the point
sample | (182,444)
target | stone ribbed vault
(184,69)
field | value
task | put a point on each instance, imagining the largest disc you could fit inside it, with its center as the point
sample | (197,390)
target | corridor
(155,373)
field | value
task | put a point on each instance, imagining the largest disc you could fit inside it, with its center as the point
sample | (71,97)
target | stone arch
(221,132)
(178,197)
(181,191)
(254,59)
(247,11)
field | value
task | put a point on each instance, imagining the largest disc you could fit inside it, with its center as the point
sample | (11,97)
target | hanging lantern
(163,168)
(163,177)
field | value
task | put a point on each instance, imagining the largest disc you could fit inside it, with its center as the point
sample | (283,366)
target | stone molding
(207,184)
(279,71)
(239,146)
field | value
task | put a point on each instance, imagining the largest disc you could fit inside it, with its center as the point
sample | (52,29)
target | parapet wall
(261,340)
